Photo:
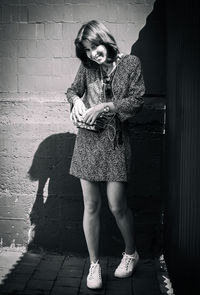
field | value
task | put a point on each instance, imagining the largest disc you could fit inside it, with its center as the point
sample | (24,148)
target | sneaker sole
(95,288)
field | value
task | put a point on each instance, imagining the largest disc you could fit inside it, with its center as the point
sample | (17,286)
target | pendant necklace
(106,69)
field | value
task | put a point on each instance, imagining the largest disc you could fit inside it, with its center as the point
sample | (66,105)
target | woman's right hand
(78,110)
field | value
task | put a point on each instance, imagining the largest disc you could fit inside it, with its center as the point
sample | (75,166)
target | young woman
(108,84)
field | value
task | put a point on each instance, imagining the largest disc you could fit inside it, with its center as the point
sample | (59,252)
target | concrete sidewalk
(31,273)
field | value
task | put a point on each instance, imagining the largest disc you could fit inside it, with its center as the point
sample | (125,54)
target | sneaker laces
(126,260)
(92,269)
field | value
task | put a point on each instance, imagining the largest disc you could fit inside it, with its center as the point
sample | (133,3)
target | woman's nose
(93,53)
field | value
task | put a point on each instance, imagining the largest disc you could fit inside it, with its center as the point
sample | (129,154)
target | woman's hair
(97,34)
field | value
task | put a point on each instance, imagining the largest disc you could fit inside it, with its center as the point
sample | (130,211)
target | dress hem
(98,180)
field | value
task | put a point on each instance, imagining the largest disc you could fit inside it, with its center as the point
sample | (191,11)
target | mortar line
(42,256)
(83,270)
(50,291)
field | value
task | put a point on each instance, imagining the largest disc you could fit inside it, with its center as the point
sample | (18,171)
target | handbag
(104,120)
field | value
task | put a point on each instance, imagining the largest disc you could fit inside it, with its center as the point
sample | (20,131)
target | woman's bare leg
(116,193)
(91,217)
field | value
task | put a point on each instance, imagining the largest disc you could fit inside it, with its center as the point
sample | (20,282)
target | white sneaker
(94,279)
(127,265)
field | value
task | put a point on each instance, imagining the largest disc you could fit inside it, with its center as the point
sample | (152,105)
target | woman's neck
(108,67)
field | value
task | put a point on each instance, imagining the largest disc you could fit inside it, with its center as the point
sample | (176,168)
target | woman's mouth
(99,56)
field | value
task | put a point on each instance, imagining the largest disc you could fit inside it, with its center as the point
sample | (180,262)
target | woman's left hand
(92,114)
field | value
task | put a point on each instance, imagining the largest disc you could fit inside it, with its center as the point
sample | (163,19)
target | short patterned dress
(106,155)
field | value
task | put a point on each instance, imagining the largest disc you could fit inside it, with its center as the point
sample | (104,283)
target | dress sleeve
(78,87)
(128,106)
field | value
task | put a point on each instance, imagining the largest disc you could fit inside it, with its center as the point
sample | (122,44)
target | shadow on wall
(150,48)
(56,214)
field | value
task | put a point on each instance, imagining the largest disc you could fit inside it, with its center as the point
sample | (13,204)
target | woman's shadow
(56,213)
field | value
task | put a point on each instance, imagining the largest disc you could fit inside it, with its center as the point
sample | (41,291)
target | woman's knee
(91,197)
(118,211)
(92,207)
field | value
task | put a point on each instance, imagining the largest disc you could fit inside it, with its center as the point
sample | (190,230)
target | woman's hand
(78,110)
(92,114)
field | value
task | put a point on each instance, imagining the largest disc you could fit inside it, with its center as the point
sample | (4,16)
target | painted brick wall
(36,38)
(38,63)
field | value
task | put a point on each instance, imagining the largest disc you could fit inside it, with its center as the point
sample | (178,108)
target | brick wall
(36,38)
(38,63)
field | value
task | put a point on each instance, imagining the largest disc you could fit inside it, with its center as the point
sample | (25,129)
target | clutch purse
(100,123)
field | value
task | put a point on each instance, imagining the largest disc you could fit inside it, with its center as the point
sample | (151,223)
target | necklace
(109,69)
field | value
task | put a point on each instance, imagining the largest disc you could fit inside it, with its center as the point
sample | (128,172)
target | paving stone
(87,291)
(39,285)
(110,276)
(68,282)
(74,261)
(46,276)
(64,291)
(71,272)
(22,268)
(12,293)
(15,277)
(35,292)
(121,292)
(46,266)
(120,285)
(145,278)
(31,258)
(12,287)
(54,258)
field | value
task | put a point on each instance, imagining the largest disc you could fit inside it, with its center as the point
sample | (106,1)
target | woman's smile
(98,57)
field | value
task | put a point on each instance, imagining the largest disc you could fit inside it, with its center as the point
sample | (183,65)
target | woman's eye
(93,47)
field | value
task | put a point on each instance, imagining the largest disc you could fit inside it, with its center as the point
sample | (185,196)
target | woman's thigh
(91,192)
(116,194)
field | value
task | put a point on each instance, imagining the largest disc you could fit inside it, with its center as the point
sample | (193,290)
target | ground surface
(28,273)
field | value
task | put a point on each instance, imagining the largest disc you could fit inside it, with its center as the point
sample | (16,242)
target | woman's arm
(128,106)
(75,93)
(77,88)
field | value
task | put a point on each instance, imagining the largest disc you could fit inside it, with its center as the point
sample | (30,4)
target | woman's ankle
(94,261)
(130,251)
(93,258)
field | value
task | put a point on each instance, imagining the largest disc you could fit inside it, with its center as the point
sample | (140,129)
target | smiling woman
(107,83)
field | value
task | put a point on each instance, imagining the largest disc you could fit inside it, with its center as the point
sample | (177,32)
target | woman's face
(95,53)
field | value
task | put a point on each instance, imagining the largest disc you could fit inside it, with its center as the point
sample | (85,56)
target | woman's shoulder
(130,59)
(128,63)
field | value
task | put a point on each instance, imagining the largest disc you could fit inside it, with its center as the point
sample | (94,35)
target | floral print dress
(106,155)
